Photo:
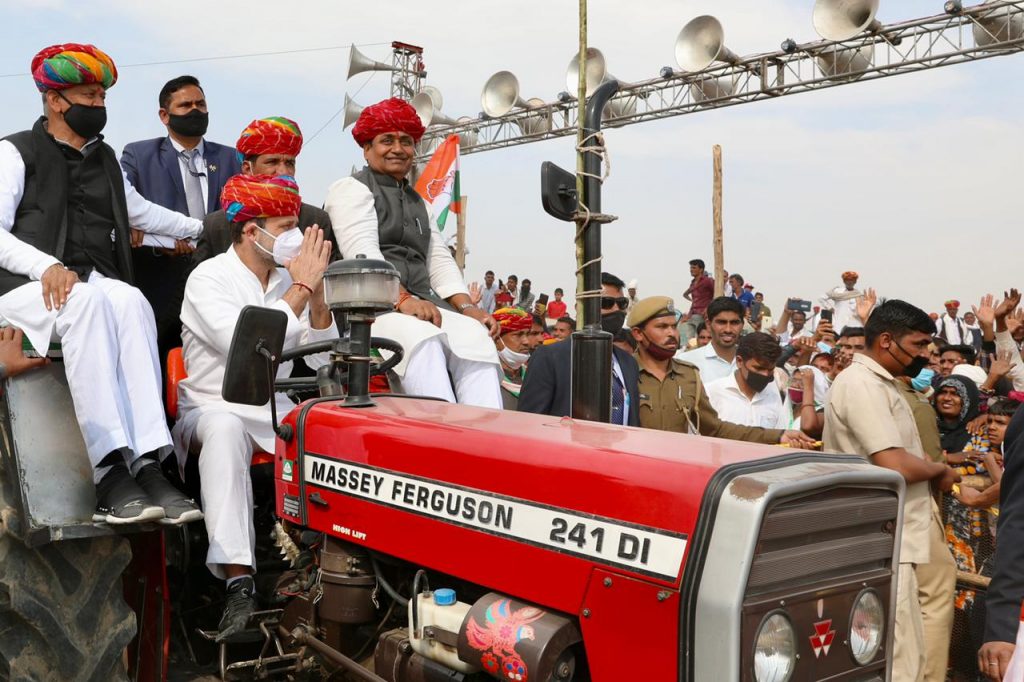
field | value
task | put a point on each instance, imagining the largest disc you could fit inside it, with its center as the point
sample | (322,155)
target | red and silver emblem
(821,640)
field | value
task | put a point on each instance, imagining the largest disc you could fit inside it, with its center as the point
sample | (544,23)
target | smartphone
(826,316)
(797,304)
(542,298)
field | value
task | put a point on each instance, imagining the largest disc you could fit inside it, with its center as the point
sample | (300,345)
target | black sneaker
(119,499)
(239,605)
(178,509)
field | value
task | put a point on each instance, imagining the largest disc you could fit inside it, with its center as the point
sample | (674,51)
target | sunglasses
(610,301)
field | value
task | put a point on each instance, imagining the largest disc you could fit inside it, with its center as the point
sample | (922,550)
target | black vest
(71,206)
(403,228)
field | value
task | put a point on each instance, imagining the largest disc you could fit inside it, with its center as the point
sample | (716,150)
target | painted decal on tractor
(647,550)
(498,636)
(821,640)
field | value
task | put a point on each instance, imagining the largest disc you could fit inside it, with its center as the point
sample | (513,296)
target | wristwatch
(463,306)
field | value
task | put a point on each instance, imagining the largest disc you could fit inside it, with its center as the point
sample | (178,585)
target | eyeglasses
(610,301)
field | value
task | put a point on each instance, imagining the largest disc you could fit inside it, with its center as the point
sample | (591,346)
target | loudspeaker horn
(426,108)
(701,43)
(501,94)
(597,73)
(352,111)
(712,88)
(536,123)
(843,19)
(845,64)
(998,25)
(359,62)
(469,137)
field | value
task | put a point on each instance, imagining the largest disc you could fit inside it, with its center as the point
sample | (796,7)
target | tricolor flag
(439,182)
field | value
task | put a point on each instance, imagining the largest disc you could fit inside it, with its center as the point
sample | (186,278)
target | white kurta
(226,434)
(216,292)
(350,205)
(843,304)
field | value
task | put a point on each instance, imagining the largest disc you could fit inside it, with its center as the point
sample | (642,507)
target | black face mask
(192,124)
(612,322)
(916,365)
(84,120)
(758,382)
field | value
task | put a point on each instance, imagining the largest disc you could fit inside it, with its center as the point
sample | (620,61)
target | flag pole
(460,234)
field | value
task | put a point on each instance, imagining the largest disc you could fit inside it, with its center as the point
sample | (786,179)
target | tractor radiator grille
(834,534)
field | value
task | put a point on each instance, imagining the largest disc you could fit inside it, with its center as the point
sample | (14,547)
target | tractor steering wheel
(310,384)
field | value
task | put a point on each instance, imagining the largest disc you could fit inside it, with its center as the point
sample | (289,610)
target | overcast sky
(914,181)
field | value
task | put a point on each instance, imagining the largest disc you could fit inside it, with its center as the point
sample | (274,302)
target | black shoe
(239,605)
(119,499)
(178,509)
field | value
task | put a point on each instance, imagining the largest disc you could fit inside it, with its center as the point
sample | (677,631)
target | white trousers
(427,373)
(225,455)
(108,336)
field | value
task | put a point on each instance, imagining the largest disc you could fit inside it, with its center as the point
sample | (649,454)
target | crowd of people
(124,259)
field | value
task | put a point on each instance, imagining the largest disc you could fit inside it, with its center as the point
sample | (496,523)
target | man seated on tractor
(271,263)
(376,212)
(66,270)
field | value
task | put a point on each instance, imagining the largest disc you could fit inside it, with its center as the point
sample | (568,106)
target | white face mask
(286,245)
(512,359)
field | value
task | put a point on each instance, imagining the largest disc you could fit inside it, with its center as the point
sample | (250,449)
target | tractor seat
(175,373)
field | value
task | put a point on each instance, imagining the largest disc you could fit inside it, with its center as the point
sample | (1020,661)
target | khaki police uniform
(679,402)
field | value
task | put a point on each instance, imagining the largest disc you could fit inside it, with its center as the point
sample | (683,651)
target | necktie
(193,188)
(618,400)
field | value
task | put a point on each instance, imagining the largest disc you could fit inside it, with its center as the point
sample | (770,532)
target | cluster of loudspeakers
(699,45)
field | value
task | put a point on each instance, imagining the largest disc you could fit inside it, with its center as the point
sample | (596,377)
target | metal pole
(592,348)
(581,98)
(716,216)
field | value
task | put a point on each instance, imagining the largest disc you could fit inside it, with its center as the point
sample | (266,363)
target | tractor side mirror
(254,355)
(557,191)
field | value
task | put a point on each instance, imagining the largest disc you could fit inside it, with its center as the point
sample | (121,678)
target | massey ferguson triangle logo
(821,640)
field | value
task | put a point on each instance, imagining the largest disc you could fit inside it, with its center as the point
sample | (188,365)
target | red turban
(513,320)
(59,67)
(273,135)
(953,303)
(385,117)
(850,274)
(245,197)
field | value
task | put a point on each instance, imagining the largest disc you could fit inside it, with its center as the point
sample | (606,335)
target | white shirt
(487,297)
(765,410)
(350,205)
(844,308)
(200,166)
(786,337)
(24,259)
(711,366)
(953,330)
(216,292)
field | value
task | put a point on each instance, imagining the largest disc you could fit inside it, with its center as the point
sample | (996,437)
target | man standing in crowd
(867,414)
(185,173)
(65,270)
(793,326)
(272,264)
(672,395)
(557,308)
(974,336)
(951,356)
(547,387)
(631,293)
(512,285)
(950,327)
(749,395)
(851,341)
(718,359)
(741,293)
(514,349)
(377,213)
(699,293)
(564,328)
(526,297)
(487,293)
(842,301)
(269,146)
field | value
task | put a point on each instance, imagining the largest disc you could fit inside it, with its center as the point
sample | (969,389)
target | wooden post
(716,215)
(460,234)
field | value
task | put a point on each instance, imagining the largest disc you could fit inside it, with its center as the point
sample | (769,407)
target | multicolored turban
(513,320)
(385,117)
(246,197)
(273,135)
(952,303)
(850,274)
(59,67)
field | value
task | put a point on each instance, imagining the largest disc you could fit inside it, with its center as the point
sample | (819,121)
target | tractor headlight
(867,626)
(774,649)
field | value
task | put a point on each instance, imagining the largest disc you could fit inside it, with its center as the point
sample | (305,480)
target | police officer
(672,396)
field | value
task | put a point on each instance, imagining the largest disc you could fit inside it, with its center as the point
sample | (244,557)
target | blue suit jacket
(153,169)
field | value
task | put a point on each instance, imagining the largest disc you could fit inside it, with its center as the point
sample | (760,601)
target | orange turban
(245,197)
(273,135)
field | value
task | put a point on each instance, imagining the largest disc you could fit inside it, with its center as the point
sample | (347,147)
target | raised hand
(985,310)
(865,304)
(476,294)
(1009,304)
(308,267)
